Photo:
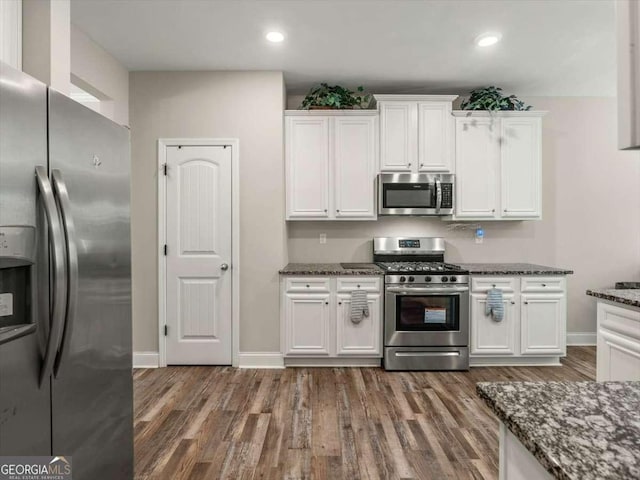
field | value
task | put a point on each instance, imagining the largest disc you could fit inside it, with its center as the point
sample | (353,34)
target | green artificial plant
(491,98)
(335,96)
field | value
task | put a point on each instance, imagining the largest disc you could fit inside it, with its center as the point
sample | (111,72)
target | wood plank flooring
(323,423)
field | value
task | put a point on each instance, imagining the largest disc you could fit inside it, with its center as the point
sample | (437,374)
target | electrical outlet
(479,235)
(323,238)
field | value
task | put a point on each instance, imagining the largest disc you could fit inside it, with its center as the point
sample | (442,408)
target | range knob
(452,279)
(444,279)
(427,279)
(411,279)
(403,279)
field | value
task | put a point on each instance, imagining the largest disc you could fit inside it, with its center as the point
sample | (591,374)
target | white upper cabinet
(354,166)
(498,160)
(398,130)
(628,32)
(331,164)
(520,166)
(476,153)
(435,137)
(307,158)
(416,133)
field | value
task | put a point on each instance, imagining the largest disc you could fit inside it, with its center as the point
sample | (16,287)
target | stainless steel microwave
(415,194)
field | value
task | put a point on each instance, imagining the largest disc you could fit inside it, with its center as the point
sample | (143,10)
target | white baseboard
(581,338)
(146,360)
(260,360)
(339,362)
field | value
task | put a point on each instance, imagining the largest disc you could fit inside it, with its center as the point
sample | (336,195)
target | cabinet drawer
(542,284)
(349,284)
(483,284)
(307,284)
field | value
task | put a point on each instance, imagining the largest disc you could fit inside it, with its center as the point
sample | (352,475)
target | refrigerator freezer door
(25,427)
(92,396)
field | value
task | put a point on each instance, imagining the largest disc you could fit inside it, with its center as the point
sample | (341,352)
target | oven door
(426,316)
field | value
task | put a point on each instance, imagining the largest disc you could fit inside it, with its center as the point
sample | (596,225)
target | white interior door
(198,256)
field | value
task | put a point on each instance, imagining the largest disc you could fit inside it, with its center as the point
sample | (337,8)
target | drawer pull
(544,284)
(307,285)
(358,286)
(512,302)
(494,285)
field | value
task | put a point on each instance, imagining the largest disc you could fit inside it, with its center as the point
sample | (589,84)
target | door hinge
(166,330)
(165,249)
(164,168)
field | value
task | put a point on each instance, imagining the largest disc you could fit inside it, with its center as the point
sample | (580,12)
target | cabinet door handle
(422,164)
(493,210)
(544,284)
(505,210)
(308,286)
(526,303)
(512,302)
(339,303)
(325,210)
(408,165)
(338,210)
(326,303)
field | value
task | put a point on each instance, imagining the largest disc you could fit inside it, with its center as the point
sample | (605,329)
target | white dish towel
(494,306)
(359,305)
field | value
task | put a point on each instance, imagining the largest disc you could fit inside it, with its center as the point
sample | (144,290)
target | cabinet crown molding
(500,114)
(331,113)
(415,98)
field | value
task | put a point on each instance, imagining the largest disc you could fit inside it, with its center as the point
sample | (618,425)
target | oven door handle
(427,291)
(438,195)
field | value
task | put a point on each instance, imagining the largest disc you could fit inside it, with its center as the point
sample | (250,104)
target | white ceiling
(549,47)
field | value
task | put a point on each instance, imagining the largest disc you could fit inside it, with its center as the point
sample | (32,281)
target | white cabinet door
(489,337)
(307,164)
(628,33)
(520,163)
(542,328)
(307,323)
(618,343)
(398,142)
(477,152)
(364,338)
(354,143)
(435,137)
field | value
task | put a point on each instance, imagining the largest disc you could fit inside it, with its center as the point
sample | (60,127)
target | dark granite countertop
(512,269)
(329,269)
(629,297)
(576,430)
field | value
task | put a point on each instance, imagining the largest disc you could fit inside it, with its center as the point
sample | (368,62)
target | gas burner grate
(418,267)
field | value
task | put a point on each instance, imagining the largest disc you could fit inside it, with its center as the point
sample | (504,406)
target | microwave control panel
(447,195)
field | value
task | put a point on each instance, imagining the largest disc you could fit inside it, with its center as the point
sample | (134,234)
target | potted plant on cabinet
(492,100)
(335,97)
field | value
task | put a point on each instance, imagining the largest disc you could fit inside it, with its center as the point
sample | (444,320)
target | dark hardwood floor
(324,423)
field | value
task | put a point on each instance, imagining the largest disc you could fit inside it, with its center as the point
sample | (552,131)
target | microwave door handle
(438,195)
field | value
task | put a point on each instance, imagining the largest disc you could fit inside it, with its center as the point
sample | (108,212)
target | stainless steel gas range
(426,311)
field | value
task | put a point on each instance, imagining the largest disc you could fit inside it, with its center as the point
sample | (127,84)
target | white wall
(591,209)
(244,105)
(45,42)
(11,33)
(97,72)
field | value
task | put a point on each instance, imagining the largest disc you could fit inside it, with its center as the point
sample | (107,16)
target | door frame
(234,143)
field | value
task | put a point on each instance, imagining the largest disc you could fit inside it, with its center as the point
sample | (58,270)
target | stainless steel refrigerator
(65,281)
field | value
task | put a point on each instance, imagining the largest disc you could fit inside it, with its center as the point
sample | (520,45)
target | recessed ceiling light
(275,37)
(488,39)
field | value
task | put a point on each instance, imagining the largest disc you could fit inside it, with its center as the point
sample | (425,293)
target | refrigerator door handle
(64,205)
(57,270)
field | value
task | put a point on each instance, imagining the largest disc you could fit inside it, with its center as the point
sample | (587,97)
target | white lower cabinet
(318,325)
(618,343)
(362,338)
(489,337)
(309,329)
(533,329)
(542,323)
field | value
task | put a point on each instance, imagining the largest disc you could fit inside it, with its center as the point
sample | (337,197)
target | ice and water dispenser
(17,282)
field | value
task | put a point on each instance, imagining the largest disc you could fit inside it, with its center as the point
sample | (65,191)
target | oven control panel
(433,278)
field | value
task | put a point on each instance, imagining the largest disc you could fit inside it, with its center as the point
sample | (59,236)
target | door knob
(224,267)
